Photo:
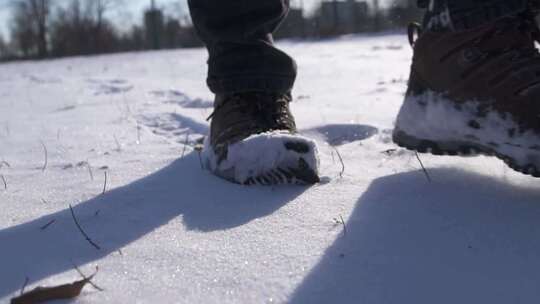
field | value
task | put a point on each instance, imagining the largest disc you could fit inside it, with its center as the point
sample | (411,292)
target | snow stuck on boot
(267,158)
(453,126)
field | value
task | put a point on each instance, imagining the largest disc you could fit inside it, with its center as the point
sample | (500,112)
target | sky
(123,17)
(133,11)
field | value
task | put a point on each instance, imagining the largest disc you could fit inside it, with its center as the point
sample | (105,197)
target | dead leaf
(43,294)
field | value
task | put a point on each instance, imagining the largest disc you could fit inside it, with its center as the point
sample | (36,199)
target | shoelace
(268,109)
(526,55)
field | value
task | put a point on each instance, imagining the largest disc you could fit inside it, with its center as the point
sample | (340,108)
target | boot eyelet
(514,55)
(472,55)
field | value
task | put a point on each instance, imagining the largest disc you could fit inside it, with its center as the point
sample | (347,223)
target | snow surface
(170,232)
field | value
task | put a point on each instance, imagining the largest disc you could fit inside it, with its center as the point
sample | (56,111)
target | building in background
(343,17)
(402,13)
(154,25)
(295,25)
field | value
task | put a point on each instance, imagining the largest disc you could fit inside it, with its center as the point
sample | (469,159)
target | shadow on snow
(128,213)
(340,134)
(464,238)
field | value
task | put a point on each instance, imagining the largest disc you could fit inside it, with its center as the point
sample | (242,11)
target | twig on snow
(199,149)
(341,222)
(44,227)
(344,225)
(104,183)
(341,161)
(389,152)
(118,146)
(88,278)
(138,133)
(6,127)
(4,163)
(200,161)
(4,181)
(45,155)
(81,230)
(26,280)
(90,170)
(185,144)
(423,168)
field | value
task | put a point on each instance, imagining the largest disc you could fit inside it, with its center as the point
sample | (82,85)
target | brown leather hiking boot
(476,91)
(253,140)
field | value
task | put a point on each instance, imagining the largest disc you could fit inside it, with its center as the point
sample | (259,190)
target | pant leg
(238,35)
(467,14)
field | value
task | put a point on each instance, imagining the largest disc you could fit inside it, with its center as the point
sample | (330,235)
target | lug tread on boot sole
(459,149)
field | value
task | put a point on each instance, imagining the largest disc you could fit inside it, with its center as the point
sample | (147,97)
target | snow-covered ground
(170,232)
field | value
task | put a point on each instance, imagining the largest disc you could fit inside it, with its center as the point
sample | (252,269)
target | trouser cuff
(251,84)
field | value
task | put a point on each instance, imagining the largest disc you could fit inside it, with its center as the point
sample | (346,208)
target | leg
(238,35)
(253,136)
(475,83)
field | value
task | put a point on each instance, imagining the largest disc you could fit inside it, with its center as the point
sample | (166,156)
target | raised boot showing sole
(476,92)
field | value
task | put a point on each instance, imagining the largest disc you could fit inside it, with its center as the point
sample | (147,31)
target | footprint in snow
(181,99)
(110,86)
(341,134)
(175,126)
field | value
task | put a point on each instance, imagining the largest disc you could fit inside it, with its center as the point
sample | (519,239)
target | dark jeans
(242,56)
(238,35)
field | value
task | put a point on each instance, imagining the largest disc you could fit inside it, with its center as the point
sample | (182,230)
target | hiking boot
(253,140)
(476,91)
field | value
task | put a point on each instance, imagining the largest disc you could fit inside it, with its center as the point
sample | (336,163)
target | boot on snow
(476,91)
(253,140)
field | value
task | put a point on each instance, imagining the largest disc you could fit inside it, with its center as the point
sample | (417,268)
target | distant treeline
(38,29)
(333,17)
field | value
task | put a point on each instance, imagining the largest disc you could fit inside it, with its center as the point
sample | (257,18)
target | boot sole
(420,119)
(466,149)
(300,175)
